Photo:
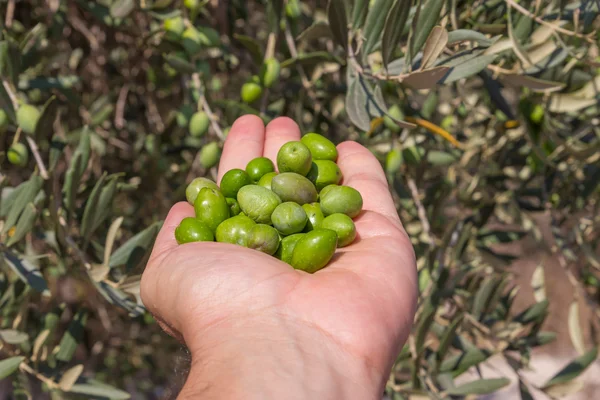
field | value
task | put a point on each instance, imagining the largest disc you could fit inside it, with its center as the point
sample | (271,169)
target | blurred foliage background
(484,113)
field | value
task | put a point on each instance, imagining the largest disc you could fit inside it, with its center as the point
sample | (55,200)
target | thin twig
(11,94)
(10,12)
(553,27)
(38,158)
(26,368)
(414,191)
(204,104)
(119,120)
(80,27)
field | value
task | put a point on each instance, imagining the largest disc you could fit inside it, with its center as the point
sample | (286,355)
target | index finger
(362,171)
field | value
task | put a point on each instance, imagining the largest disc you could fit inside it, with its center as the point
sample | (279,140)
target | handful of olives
(300,214)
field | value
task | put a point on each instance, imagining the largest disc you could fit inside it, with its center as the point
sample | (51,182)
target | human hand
(260,329)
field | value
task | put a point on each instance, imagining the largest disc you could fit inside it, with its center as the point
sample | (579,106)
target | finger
(279,131)
(362,171)
(165,240)
(244,142)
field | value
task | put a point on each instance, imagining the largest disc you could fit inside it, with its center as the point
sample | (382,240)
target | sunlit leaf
(573,369)
(69,378)
(13,336)
(9,365)
(434,46)
(575,328)
(423,25)
(481,386)
(462,35)
(93,388)
(122,8)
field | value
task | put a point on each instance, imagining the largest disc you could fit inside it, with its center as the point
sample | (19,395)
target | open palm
(363,301)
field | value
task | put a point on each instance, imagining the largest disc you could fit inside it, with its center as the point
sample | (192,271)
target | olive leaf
(9,365)
(375,24)
(481,386)
(573,369)
(338,23)
(394,27)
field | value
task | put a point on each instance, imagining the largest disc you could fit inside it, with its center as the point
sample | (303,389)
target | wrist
(276,359)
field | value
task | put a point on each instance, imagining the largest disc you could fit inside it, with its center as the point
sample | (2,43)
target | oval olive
(233,181)
(234,206)
(343,226)
(294,157)
(393,161)
(258,203)
(18,154)
(394,113)
(286,247)
(3,121)
(251,92)
(259,167)
(269,72)
(235,230)
(192,190)
(27,118)
(210,155)
(174,27)
(199,124)
(263,238)
(192,230)
(266,180)
(211,207)
(341,199)
(290,186)
(314,250)
(320,147)
(289,218)
(314,214)
(324,173)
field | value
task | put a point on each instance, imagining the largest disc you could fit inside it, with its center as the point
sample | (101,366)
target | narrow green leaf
(31,37)
(459,363)
(535,313)
(69,378)
(336,15)
(91,209)
(44,127)
(462,35)
(47,83)
(535,84)
(482,297)
(573,369)
(448,337)
(94,388)
(12,336)
(135,248)
(9,365)
(359,13)
(122,8)
(317,30)
(6,103)
(25,224)
(76,169)
(428,16)
(105,202)
(524,391)
(22,198)
(72,337)
(468,68)
(434,46)
(481,386)
(376,20)
(252,45)
(27,272)
(310,59)
(394,27)
(179,64)
(355,106)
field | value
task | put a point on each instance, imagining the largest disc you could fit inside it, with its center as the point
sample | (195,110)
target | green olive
(259,167)
(286,247)
(174,27)
(394,113)
(234,206)
(18,154)
(290,186)
(233,181)
(341,199)
(269,72)
(315,216)
(325,190)
(184,115)
(235,230)
(292,9)
(192,230)
(324,173)
(3,121)
(191,4)
(266,180)
(210,155)
(191,40)
(258,203)
(294,157)
(289,218)
(393,161)
(343,226)
(27,118)
(199,124)
(320,147)
(192,190)
(211,207)
(251,92)
(263,238)
(314,250)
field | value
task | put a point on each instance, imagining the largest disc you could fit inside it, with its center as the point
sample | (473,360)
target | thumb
(165,240)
